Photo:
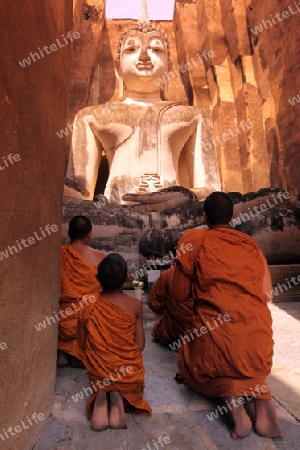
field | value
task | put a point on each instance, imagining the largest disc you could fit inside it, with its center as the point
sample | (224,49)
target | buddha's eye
(156,49)
(130,49)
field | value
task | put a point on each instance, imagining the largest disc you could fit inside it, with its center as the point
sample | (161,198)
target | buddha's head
(143,57)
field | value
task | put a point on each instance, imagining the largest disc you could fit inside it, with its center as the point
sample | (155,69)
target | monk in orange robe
(227,349)
(176,315)
(111,338)
(79,286)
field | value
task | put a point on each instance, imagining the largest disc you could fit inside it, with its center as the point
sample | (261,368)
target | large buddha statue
(150,143)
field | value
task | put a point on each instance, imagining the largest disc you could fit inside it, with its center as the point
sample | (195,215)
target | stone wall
(251,77)
(277,72)
(248,80)
(33,108)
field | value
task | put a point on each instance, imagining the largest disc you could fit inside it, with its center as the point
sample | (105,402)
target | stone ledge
(281,279)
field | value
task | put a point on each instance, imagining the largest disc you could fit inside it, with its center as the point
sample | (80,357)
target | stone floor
(180,414)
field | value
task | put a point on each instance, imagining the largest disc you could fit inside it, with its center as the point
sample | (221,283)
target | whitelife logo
(279,17)
(294,100)
(53,47)
(9,160)
(14,249)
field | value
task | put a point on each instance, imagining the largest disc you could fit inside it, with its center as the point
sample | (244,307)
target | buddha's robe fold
(106,337)
(176,316)
(79,286)
(233,357)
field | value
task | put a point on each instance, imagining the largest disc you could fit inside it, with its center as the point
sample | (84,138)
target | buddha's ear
(121,82)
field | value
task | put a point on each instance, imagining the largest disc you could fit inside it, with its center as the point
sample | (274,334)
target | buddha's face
(143,58)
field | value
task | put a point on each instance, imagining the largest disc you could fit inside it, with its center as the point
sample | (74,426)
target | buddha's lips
(144,66)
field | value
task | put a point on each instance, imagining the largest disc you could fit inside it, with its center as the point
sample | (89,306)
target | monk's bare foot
(100,421)
(266,422)
(117,417)
(241,423)
(62,359)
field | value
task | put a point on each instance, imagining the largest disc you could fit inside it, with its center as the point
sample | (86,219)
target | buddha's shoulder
(183,112)
(102,109)
(117,112)
(122,112)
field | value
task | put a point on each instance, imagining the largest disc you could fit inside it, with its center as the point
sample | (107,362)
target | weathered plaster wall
(33,107)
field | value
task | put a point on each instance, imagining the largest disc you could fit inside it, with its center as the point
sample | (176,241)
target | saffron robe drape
(106,337)
(176,316)
(227,278)
(172,297)
(78,279)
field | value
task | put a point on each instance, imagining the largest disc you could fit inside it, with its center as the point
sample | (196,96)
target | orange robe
(78,279)
(176,316)
(233,357)
(175,303)
(106,337)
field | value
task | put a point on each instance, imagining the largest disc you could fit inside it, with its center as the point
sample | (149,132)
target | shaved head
(79,228)
(112,272)
(218,208)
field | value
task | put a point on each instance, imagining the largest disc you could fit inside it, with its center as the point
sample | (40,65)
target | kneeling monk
(79,286)
(228,347)
(176,316)
(111,337)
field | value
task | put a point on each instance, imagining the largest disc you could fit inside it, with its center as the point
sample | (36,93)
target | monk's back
(92,256)
(124,301)
(229,264)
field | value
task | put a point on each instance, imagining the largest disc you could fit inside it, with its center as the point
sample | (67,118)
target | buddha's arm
(84,159)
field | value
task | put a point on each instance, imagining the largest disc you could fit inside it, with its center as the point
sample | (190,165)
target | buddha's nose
(144,55)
